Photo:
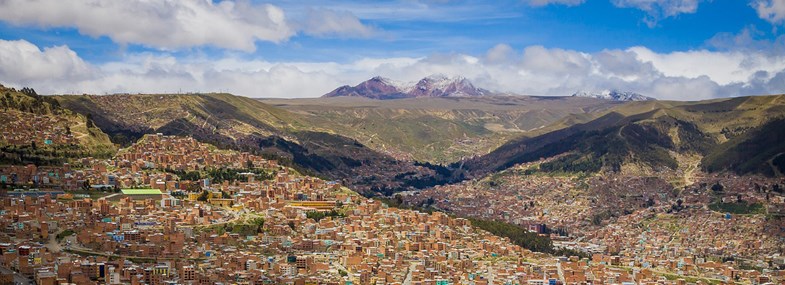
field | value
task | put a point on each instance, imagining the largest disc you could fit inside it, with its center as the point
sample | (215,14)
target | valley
(608,185)
(396,142)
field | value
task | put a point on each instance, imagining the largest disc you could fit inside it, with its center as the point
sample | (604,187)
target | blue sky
(649,46)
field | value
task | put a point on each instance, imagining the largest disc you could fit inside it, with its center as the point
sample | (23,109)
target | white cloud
(721,67)
(772,11)
(538,3)
(325,22)
(749,39)
(659,9)
(535,70)
(24,63)
(169,24)
(499,54)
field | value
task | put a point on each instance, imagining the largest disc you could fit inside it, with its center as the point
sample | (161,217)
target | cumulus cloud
(501,53)
(534,70)
(538,3)
(24,63)
(659,9)
(170,24)
(772,11)
(749,39)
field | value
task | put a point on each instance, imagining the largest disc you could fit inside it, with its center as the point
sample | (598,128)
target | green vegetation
(27,104)
(572,163)
(66,233)
(219,175)
(95,193)
(523,238)
(397,202)
(739,208)
(27,100)
(646,133)
(598,218)
(142,191)
(203,196)
(250,227)
(438,130)
(645,143)
(779,163)
(750,152)
(316,215)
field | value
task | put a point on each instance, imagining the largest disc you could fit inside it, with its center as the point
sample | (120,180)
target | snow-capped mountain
(442,86)
(431,86)
(613,95)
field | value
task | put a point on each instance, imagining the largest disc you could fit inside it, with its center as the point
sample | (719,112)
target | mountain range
(385,146)
(614,95)
(434,86)
(431,86)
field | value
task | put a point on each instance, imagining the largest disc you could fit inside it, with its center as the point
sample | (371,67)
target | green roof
(141,192)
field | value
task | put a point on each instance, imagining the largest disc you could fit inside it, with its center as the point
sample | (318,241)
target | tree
(203,197)
(29,91)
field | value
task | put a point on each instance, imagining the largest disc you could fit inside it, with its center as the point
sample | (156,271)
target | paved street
(412,266)
(18,278)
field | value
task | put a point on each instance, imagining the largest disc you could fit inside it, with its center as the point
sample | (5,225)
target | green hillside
(731,134)
(372,145)
(245,124)
(761,150)
(439,130)
(37,129)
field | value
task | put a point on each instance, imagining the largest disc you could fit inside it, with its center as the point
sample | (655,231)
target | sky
(667,49)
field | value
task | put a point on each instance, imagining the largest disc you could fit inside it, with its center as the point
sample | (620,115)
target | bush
(203,197)
(518,235)
(321,215)
(65,234)
(739,208)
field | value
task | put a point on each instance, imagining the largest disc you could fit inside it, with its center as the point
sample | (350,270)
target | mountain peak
(613,95)
(436,85)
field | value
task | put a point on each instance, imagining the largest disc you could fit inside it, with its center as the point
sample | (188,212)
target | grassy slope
(328,136)
(246,124)
(750,152)
(438,130)
(90,140)
(646,134)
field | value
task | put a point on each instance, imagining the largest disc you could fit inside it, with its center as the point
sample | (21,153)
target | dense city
(171,210)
